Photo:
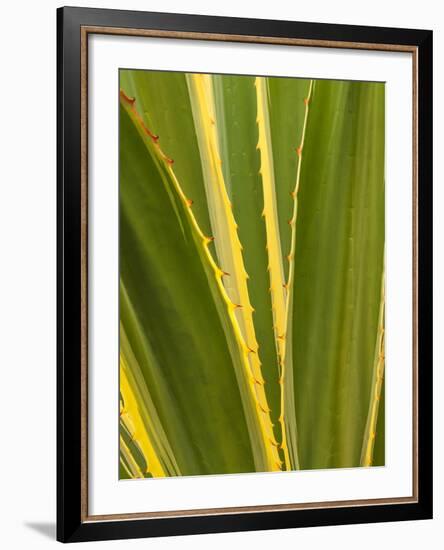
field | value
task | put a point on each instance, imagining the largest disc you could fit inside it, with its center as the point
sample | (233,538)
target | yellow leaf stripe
(275,264)
(378,377)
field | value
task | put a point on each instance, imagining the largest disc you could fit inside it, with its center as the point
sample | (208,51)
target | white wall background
(27,272)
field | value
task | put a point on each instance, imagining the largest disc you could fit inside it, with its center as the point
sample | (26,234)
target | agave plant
(251,274)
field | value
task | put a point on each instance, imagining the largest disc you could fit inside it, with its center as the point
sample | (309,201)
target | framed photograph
(244,274)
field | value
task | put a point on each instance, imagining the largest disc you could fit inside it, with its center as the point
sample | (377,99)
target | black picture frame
(73,523)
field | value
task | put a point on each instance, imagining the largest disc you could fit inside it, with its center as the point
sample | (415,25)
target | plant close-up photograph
(251,274)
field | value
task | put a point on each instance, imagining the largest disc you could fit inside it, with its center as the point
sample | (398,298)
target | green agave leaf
(271,218)
(235,99)
(182,317)
(338,269)
(286,113)
(229,248)
(162,100)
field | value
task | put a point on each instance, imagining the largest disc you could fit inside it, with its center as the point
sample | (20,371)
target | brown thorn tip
(130,100)
(285,285)
(299,151)
(292,194)
(149,133)
(189,202)
(250,350)
(225,273)
(306,100)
